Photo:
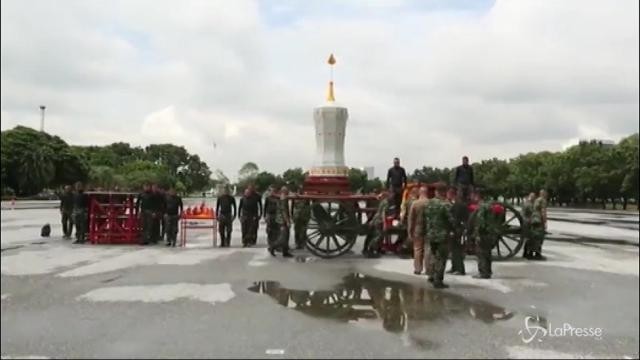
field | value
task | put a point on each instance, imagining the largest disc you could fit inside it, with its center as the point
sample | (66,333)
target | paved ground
(62,300)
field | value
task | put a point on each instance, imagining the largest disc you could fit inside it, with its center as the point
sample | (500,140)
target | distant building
(369,171)
(601,142)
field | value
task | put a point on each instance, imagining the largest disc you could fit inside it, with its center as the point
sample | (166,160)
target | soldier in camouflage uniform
(527,214)
(437,227)
(372,242)
(301,216)
(487,232)
(284,222)
(538,226)
(270,210)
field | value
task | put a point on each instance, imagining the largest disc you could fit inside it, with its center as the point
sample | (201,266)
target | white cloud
(426,85)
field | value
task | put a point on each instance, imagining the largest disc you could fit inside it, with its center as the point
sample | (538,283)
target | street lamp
(42,107)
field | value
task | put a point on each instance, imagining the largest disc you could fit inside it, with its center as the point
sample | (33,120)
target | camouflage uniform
(270,212)
(301,216)
(372,242)
(437,227)
(284,223)
(527,214)
(537,225)
(487,233)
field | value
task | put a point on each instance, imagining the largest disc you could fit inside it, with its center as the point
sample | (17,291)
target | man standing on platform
(463,179)
(173,212)
(250,210)
(226,213)
(284,221)
(66,212)
(270,212)
(396,181)
(80,213)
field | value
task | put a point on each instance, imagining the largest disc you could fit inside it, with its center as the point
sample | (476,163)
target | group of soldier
(435,226)
(74,206)
(159,212)
(278,212)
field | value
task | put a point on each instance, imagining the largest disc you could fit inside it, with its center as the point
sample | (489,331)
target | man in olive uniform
(145,208)
(173,210)
(270,211)
(527,215)
(284,222)
(376,227)
(437,227)
(460,214)
(487,232)
(226,213)
(80,213)
(301,216)
(66,211)
(538,226)
(250,210)
(421,260)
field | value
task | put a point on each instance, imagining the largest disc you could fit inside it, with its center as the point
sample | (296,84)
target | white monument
(330,124)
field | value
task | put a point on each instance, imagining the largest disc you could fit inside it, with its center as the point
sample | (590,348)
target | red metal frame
(113,218)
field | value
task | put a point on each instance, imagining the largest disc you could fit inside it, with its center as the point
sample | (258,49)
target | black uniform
(270,211)
(464,180)
(145,204)
(226,213)
(460,213)
(250,210)
(396,179)
(66,212)
(173,209)
(80,214)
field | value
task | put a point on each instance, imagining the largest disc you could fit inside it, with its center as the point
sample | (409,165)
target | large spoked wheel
(332,229)
(512,237)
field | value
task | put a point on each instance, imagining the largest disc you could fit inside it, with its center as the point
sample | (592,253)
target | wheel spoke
(335,241)
(313,234)
(511,219)
(498,248)
(328,243)
(507,246)
(317,243)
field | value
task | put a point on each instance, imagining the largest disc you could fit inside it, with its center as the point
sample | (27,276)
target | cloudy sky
(425,80)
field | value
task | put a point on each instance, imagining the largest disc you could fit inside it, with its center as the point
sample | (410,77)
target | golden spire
(331,62)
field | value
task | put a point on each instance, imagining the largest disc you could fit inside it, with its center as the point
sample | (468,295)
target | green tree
(357,179)
(293,178)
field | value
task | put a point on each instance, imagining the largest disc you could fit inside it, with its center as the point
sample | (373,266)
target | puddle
(387,305)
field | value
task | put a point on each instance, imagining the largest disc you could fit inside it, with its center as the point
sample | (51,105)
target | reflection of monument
(329,173)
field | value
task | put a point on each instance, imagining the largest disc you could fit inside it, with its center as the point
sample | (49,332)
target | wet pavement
(64,300)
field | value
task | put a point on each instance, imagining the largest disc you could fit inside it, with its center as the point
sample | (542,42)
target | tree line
(590,172)
(34,160)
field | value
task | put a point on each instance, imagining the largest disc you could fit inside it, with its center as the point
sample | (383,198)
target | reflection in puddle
(398,306)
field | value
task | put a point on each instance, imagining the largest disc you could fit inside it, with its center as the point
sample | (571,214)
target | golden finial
(331,62)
